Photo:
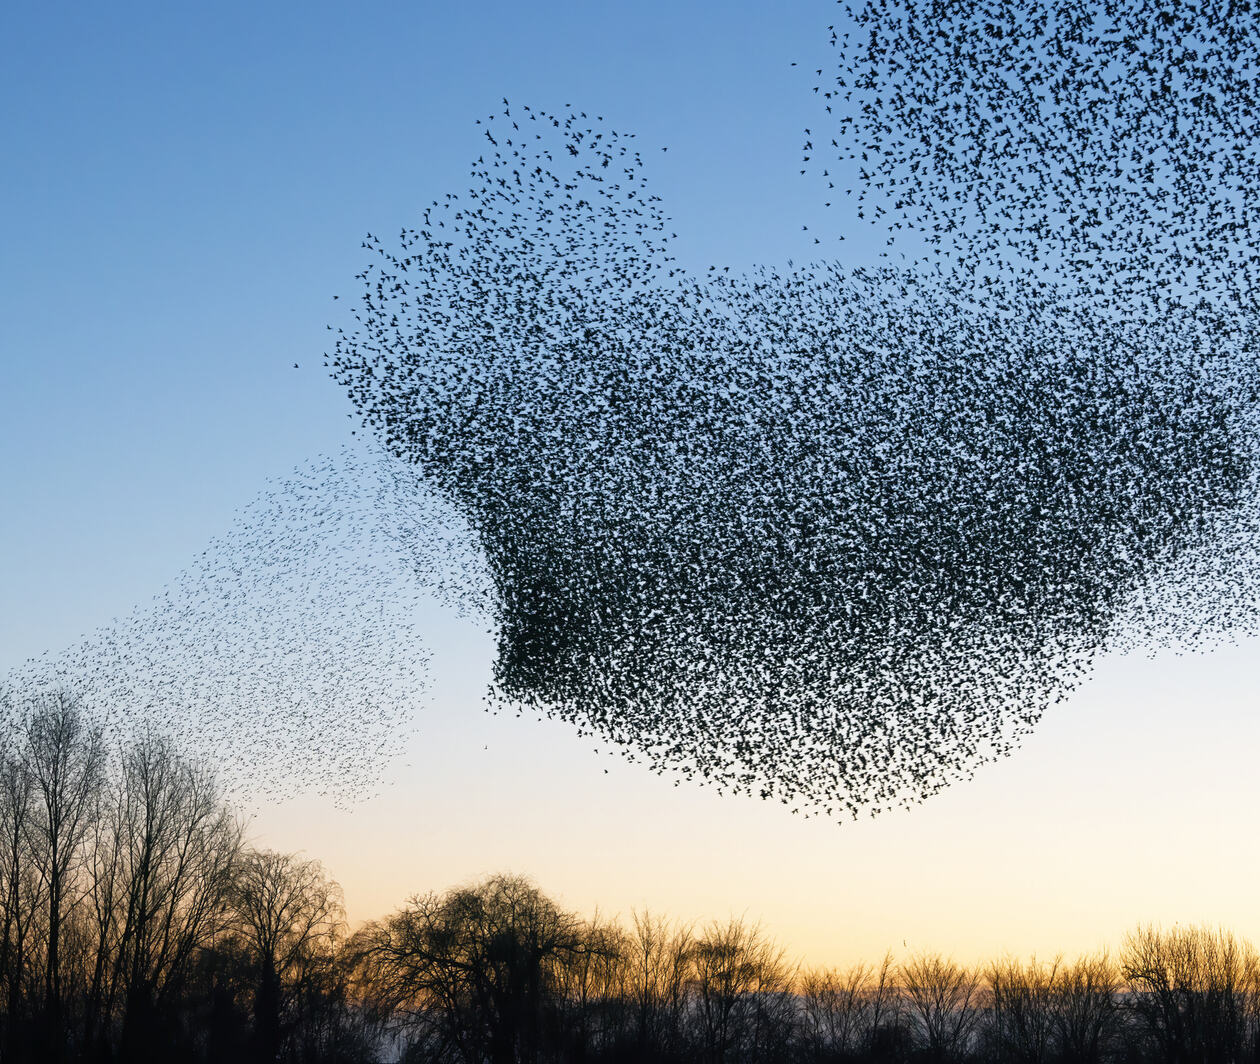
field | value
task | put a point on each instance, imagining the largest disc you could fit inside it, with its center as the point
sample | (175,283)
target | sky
(183,193)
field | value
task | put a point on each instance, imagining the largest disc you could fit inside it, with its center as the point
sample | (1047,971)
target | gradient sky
(184,189)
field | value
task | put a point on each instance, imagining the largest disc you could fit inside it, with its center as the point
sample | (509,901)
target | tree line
(137,924)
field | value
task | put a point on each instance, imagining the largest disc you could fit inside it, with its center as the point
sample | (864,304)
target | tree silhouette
(741,984)
(1194,992)
(287,913)
(66,762)
(943,998)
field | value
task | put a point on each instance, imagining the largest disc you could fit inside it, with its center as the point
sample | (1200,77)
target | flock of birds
(290,655)
(1109,147)
(834,537)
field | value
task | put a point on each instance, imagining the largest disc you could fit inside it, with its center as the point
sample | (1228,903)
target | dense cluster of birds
(290,654)
(830,536)
(1109,146)
(1103,155)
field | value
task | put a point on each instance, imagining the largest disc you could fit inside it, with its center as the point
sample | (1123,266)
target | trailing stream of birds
(831,536)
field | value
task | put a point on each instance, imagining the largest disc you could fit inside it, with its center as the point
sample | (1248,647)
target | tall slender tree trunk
(53,1041)
(267,1017)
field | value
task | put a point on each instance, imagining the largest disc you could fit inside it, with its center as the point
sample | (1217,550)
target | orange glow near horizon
(1124,807)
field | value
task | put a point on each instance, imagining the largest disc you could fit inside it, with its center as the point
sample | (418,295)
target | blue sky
(184,190)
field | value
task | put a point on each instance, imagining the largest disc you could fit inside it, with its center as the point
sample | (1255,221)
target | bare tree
(1085,1008)
(943,999)
(658,962)
(287,914)
(1022,1017)
(471,972)
(741,984)
(886,1031)
(66,763)
(20,895)
(117,881)
(835,1011)
(589,981)
(175,852)
(104,901)
(1193,989)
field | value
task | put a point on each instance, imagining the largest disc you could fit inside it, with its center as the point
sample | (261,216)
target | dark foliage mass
(137,926)
(832,536)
